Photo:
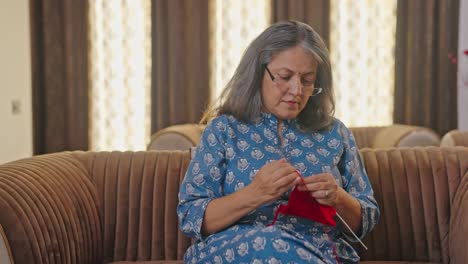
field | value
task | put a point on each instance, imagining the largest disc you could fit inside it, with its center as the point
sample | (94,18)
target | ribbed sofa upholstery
(423,196)
(185,136)
(49,210)
(137,194)
(104,207)
(88,207)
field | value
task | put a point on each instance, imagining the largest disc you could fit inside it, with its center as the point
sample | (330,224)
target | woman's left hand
(323,187)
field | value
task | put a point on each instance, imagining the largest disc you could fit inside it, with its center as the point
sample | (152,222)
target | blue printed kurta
(227,159)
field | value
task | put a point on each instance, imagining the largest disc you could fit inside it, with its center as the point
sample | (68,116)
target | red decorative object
(464,74)
(452,58)
(302,204)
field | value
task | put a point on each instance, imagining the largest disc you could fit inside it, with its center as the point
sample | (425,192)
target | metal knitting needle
(349,228)
(339,216)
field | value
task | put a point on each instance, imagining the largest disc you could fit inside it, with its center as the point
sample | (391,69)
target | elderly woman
(273,131)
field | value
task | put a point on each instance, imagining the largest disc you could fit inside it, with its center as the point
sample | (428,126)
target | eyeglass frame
(272,77)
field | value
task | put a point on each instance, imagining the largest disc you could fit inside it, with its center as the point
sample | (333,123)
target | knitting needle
(349,228)
(342,220)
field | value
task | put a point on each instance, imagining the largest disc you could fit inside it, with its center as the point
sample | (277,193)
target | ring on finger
(327,193)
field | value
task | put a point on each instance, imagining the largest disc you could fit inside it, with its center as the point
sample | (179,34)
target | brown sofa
(87,207)
(455,138)
(185,136)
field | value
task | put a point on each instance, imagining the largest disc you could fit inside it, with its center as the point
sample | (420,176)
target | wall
(15,85)
(463,67)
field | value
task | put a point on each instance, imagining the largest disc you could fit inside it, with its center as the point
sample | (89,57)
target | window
(120,65)
(235,25)
(362,42)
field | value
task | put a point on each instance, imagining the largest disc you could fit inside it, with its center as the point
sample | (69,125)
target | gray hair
(241,96)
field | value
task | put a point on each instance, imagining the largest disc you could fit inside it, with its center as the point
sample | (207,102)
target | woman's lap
(253,245)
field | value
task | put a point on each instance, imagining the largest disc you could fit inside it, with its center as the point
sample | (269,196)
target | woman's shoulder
(337,123)
(340,128)
(343,131)
(221,124)
(222,120)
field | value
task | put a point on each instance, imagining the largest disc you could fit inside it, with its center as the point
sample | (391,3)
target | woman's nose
(295,86)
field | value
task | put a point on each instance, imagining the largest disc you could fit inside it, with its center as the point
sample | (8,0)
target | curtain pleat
(425,77)
(180,56)
(59,50)
(316,13)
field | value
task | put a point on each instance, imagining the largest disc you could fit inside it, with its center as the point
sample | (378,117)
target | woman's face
(293,69)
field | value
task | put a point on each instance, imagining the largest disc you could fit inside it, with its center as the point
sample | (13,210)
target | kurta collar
(271,120)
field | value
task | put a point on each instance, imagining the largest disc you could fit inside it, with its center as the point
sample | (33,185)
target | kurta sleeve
(356,183)
(204,178)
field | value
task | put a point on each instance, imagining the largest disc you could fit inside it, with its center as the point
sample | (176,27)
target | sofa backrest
(422,197)
(176,137)
(398,135)
(182,137)
(137,194)
(416,188)
(365,136)
(94,207)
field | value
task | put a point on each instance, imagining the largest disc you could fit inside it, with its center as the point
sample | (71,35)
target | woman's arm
(269,184)
(354,201)
(349,209)
(357,186)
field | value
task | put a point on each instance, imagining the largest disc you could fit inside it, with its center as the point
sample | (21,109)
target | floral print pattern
(227,159)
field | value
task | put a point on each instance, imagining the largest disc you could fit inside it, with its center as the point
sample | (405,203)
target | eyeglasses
(308,88)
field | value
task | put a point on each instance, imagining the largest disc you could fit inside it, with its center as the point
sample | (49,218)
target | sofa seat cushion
(181,262)
(396,262)
(150,262)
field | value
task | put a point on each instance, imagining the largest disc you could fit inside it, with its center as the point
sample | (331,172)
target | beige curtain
(425,77)
(316,13)
(234,25)
(362,48)
(119,74)
(59,50)
(360,36)
(180,62)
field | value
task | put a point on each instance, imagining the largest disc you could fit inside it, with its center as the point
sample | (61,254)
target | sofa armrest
(49,210)
(455,138)
(365,136)
(405,136)
(459,224)
(5,251)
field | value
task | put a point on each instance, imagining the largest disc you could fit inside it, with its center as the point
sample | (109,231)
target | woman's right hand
(273,180)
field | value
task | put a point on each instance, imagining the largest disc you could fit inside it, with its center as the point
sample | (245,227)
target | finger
(324,201)
(278,162)
(321,194)
(274,165)
(288,180)
(313,187)
(318,178)
(282,171)
(286,187)
(272,169)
